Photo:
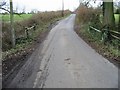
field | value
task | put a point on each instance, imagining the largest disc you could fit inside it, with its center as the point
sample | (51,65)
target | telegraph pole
(12,23)
(62,8)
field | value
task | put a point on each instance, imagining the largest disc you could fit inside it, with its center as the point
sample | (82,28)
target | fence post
(26,32)
(89,27)
(34,28)
(103,36)
(106,36)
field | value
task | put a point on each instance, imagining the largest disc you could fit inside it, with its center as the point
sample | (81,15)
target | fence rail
(104,33)
(28,32)
(115,32)
(27,29)
(94,29)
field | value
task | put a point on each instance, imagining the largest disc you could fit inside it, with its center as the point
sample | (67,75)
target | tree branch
(2,4)
(9,11)
(4,9)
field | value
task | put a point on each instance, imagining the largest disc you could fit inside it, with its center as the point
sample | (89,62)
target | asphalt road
(0,75)
(66,61)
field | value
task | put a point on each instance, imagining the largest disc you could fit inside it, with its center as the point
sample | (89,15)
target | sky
(45,5)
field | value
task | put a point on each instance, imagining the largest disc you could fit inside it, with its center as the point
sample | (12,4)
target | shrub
(39,19)
(6,43)
(88,15)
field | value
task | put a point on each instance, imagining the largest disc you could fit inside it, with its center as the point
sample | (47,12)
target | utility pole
(12,24)
(62,8)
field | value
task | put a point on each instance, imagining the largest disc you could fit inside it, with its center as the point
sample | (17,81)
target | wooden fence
(27,30)
(105,33)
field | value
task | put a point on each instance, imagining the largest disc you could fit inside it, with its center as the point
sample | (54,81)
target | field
(116,18)
(26,16)
(16,17)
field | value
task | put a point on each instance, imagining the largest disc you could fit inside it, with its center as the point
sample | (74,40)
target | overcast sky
(45,5)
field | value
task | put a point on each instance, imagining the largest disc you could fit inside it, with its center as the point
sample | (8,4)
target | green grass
(16,17)
(116,18)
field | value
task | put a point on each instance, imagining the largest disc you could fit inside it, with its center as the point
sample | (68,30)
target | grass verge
(16,57)
(107,50)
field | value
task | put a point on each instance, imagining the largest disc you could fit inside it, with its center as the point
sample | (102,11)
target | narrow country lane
(68,62)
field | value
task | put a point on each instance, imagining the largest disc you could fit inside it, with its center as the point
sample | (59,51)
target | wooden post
(26,33)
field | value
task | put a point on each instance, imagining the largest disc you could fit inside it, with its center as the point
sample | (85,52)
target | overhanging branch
(2,4)
(4,9)
(9,11)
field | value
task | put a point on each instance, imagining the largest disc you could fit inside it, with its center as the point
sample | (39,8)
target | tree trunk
(62,8)
(119,20)
(12,24)
(108,15)
(103,9)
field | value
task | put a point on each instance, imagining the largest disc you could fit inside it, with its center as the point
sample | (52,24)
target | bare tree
(34,11)
(16,9)
(3,3)
(23,10)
